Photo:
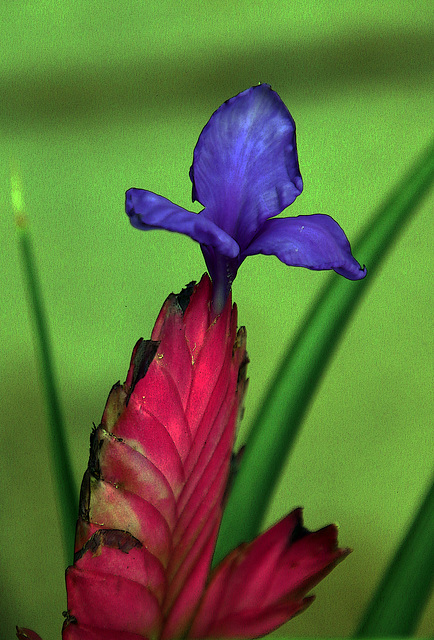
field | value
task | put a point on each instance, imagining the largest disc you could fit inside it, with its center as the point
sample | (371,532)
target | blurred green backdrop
(99,97)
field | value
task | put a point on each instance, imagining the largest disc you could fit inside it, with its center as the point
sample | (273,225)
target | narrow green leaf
(401,595)
(63,476)
(277,424)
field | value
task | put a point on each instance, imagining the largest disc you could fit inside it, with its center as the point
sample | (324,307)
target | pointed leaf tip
(27,634)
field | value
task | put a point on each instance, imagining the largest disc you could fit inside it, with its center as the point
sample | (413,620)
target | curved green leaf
(63,476)
(285,404)
(400,597)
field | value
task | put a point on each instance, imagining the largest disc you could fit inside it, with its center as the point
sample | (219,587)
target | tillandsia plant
(161,461)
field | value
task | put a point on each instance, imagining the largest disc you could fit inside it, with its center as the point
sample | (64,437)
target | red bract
(152,498)
(261,585)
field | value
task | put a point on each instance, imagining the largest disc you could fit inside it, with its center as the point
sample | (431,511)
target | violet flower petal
(245,164)
(148,210)
(245,171)
(315,242)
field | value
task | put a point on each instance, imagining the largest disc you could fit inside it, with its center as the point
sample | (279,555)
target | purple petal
(245,164)
(148,210)
(316,242)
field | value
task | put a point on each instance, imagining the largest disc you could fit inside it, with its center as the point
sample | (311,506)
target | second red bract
(153,495)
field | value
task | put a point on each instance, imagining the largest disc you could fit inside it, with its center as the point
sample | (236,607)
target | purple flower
(244,172)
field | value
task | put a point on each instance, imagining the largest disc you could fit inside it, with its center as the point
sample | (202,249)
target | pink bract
(151,499)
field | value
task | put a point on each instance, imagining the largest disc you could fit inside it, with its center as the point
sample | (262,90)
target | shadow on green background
(96,101)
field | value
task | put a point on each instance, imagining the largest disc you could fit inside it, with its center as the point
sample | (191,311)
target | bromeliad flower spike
(161,460)
(245,171)
(153,495)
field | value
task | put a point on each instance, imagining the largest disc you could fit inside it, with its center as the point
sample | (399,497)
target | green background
(99,97)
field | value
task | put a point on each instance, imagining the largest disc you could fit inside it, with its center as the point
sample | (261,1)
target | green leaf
(402,593)
(279,419)
(63,476)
